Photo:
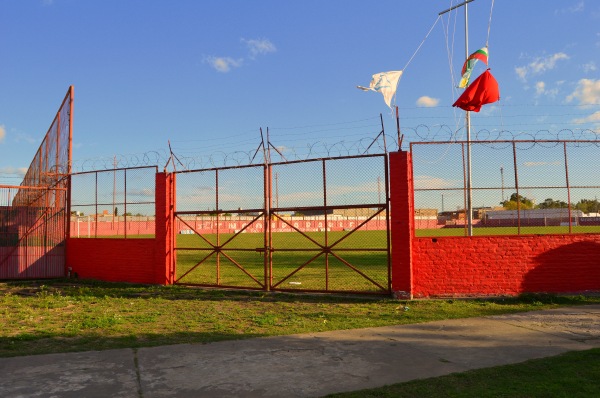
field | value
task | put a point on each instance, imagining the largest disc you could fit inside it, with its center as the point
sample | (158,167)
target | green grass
(363,250)
(570,375)
(487,231)
(71,315)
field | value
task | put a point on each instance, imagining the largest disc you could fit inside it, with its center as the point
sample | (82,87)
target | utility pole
(502,179)
(114,187)
(467,124)
(276,189)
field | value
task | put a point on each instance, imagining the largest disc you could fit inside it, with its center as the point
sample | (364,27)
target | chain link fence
(517,187)
(116,203)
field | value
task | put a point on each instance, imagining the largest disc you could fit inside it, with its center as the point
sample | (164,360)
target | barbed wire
(324,149)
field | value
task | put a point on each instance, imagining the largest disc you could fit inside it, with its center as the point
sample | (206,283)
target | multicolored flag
(479,55)
(483,90)
(385,83)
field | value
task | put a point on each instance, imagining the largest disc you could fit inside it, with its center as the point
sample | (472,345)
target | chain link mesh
(118,203)
(517,187)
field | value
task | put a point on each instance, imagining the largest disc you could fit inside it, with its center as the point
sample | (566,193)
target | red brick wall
(131,260)
(114,260)
(482,266)
(402,222)
(165,235)
(505,265)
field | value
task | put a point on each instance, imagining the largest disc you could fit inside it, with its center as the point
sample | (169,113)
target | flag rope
(420,45)
(487,40)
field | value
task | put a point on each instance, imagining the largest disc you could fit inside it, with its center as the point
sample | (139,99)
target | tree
(517,201)
(588,205)
(116,211)
(552,204)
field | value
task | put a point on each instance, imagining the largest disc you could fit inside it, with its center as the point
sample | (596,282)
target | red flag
(484,90)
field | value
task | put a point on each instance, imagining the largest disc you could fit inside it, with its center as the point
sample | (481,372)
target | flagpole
(467,125)
(468,129)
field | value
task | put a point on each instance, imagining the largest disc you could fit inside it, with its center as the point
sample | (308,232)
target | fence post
(164,228)
(402,222)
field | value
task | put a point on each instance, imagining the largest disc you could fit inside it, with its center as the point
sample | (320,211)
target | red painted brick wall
(505,265)
(165,235)
(402,222)
(482,266)
(114,260)
(131,260)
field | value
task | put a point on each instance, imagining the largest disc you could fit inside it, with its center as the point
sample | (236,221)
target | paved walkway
(306,365)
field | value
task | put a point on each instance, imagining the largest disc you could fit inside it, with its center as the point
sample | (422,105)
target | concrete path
(306,365)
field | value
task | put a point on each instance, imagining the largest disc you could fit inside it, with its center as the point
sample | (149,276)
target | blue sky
(206,75)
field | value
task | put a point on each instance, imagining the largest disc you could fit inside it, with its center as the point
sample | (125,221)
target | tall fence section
(517,187)
(118,203)
(34,215)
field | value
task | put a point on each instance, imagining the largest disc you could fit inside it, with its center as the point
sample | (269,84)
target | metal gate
(317,225)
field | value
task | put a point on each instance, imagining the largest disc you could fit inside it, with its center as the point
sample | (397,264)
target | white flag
(385,83)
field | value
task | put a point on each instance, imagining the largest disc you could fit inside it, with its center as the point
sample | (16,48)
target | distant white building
(562,213)
(532,217)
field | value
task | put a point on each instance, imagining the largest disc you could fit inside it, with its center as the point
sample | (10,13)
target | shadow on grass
(100,289)
(222,314)
(44,343)
(93,288)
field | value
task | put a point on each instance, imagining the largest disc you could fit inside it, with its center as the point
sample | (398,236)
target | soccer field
(348,262)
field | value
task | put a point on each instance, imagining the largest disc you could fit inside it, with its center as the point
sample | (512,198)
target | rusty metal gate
(317,225)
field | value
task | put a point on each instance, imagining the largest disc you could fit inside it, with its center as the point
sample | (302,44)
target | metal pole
(517,188)
(468,128)
(568,188)
(455,7)
(469,204)
(502,180)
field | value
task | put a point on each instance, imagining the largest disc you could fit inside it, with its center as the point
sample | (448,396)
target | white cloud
(589,67)
(539,65)
(578,7)
(593,118)
(2,132)
(430,182)
(19,171)
(521,71)
(20,137)
(427,102)
(259,47)
(587,92)
(537,164)
(255,47)
(223,64)
(540,87)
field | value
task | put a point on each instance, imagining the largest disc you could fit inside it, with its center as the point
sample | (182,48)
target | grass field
(570,375)
(72,315)
(363,250)
(487,231)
